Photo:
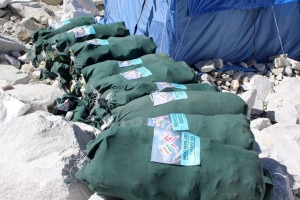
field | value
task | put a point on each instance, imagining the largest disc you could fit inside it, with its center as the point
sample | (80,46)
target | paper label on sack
(176,148)
(136,73)
(160,98)
(132,62)
(173,121)
(163,85)
(83,31)
(98,42)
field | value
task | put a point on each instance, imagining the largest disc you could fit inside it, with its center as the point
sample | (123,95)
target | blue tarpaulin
(194,30)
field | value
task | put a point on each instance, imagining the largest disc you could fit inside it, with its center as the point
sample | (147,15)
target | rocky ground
(41,152)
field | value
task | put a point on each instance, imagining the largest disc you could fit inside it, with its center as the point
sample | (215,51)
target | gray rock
(218,63)
(52,2)
(10,107)
(12,75)
(279,145)
(281,103)
(235,84)
(37,95)
(90,6)
(10,60)
(281,62)
(262,85)
(32,9)
(9,44)
(3,21)
(243,64)
(72,9)
(207,77)
(2,12)
(238,75)
(260,67)
(205,66)
(260,123)
(288,71)
(15,54)
(42,154)
(249,97)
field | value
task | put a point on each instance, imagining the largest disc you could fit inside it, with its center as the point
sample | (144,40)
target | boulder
(41,154)
(32,9)
(37,95)
(281,104)
(9,44)
(52,2)
(10,60)
(12,75)
(2,13)
(278,148)
(90,6)
(72,9)
(249,97)
(260,123)
(10,107)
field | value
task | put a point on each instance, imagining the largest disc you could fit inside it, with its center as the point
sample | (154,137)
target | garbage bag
(63,41)
(114,48)
(230,129)
(189,102)
(120,165)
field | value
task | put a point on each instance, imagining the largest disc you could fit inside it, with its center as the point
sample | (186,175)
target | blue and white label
(164,85)
(132,62)
(190,149)
(136,73)
(160,98)
(179,122)
(176,148)
(98,42)
(173,121)
(83,31)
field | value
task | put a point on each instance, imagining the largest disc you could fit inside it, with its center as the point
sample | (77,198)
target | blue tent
(194,30)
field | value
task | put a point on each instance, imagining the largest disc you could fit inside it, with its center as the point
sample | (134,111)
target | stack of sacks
(164,135)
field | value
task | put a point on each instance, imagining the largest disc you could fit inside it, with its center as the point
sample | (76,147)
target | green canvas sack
(41,35)
(197,102)
(120,165)
(118,95)
(63,41)
(114,48)
(228,129)
(106,68)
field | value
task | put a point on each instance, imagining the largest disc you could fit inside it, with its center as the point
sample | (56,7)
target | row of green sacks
(119,101)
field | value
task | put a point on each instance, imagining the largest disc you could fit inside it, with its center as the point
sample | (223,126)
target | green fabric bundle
(63,41)
(120,166)
(114,48)
(112,67)
(122,94)
(197,102)
(41,35)
(228,129)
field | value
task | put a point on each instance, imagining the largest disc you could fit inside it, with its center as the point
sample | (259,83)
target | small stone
(279,77)
(218,63)
(243,64)
(235,84)
(288,71)
(246,80)
(238,75)
(226,77)
(277,71)
(260,123)
(205,66)
(276,82)
(230,72)
(251,63)
(272,78)
(260,67)
(272,58)
(224,87)
(219,81)
(215,74)
(207,77)
(227,83)
(281,62)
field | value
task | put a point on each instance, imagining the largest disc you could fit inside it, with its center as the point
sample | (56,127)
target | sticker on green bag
(132,62)
(174,121)
(163,85)
(136,73)
(98,42)
(83,31)
(176,148)
(160,98)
